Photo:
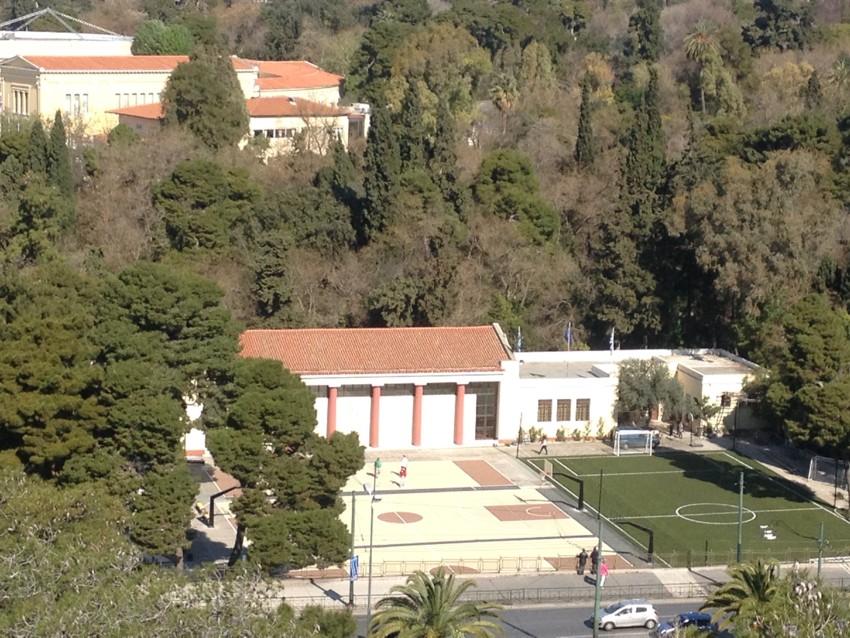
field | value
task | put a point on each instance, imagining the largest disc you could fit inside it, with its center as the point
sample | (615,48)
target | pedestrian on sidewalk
(582,562)
(378,465)
(603,573)
(594,560)
(544,446)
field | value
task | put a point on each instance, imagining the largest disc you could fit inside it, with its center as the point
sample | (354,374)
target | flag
(568,335)
(519,339)
(611,341)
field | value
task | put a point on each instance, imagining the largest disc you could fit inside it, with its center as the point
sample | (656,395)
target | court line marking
(566,467)
(738,461)
(771,511)
(596,474)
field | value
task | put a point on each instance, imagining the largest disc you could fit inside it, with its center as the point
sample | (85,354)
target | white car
(628,613)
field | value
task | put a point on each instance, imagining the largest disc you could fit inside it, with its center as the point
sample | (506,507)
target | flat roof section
(558,369)
(707,365)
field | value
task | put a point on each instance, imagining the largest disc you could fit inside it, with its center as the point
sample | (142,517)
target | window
(85,102)
(565,410)
(76,103)
(319,391)
(67,102)
(582,409)
(118,99)
(20,100)
(544,411)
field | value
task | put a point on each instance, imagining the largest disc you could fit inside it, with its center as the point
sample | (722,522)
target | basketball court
(466,514)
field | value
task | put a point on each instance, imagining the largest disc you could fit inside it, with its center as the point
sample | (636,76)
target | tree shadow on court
(724,472)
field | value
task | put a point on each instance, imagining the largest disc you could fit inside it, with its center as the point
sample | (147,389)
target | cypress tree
(813,94)
(645,32)
(412,132)
(382,167)
(442,160)
(38,148)
(58,159)
(585,152)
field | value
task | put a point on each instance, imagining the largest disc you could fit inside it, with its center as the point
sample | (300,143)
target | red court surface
(483,473)
(523,512)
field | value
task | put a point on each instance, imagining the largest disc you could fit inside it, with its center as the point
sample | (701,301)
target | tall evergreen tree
(38,148)
(442,160)
(58,158)
(382,176)
(412,134)
(585,152)
(645,35)
(814,94)
(204,95)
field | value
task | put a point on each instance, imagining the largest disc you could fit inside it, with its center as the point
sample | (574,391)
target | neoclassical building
(463,386)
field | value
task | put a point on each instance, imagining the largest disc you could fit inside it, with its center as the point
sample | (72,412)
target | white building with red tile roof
(93,91)
(282,122)
(442,387)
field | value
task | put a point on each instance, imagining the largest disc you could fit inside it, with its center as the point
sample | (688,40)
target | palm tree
(428,606)
(702,45)
(504,94)
(751,587)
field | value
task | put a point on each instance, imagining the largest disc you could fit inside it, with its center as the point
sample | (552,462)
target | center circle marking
(704,510)
(399,517)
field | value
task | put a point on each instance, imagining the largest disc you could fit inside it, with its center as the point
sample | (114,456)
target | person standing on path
(582,562)
(544,446)
(378,465)
(594,560)
(603,573)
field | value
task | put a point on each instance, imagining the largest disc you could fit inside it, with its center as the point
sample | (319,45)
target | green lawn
(690,502)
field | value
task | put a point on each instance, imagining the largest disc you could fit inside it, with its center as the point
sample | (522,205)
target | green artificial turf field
(691,504)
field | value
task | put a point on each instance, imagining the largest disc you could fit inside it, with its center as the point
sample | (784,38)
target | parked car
(697,619)
(628,613)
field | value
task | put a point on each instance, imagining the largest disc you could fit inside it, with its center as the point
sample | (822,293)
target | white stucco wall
(438,419)
(395,421)
(319,132)
(352,415)
(329,95)
(14,43)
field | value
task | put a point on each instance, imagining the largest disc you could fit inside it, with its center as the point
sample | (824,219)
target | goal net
(831,471)
(632,442)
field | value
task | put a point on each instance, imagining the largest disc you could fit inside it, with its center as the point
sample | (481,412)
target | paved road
(571,621)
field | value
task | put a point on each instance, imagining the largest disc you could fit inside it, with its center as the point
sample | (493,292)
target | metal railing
(555,595)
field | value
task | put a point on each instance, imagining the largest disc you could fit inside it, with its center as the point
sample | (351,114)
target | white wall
(352,415)
(35,43)
(438,420)
(396,421)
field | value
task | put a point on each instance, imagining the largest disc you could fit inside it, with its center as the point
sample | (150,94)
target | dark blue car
(696,619)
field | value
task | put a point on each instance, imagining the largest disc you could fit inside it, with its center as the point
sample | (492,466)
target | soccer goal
(831,471)
(632,442)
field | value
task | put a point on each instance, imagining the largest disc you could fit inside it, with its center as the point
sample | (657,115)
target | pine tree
(585,152)
(382,176)
(58,158)
(645,32)
(38,148)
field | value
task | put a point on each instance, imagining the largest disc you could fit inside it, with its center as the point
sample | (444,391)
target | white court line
(596,474)
(776,511)
(563,465)
(738,461)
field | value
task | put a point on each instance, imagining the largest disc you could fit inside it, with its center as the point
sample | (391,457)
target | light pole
(739,552)
(375,497)
(351,554)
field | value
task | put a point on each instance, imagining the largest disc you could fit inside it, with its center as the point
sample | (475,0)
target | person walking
(402,470)
(378,465)
(544,446)
(582,562)
(603,573)
(594,560)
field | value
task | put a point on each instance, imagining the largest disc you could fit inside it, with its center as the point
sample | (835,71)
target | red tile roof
(327,351)
(152,111)
(290,107)
(119,63)
(293,74)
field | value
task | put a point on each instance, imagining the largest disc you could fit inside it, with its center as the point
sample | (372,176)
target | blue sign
(354,569)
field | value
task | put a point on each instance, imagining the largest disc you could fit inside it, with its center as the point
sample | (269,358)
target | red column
(332,394)
(374,416)
(417,415)
(461,393)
